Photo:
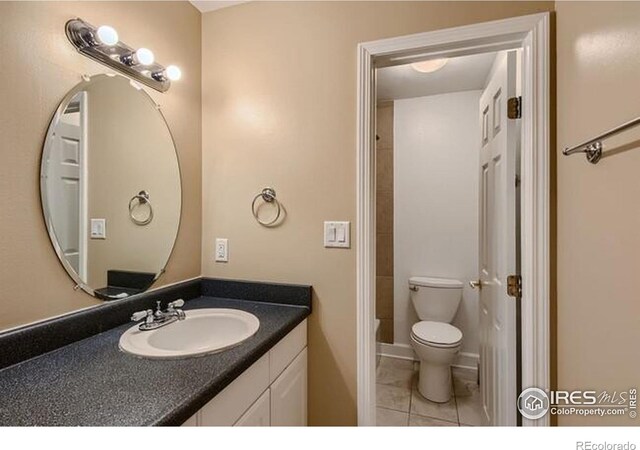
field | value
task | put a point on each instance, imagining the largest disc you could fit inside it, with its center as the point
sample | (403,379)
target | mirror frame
(62,106)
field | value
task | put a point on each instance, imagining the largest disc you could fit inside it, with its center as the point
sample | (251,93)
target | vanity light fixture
(107,35)
(102,44)
(174,73)
(430,65)
(142,56)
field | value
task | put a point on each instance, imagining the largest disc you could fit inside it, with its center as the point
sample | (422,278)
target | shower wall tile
(384,297)
(384,220)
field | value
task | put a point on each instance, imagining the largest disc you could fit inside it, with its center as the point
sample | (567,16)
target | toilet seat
(436,334)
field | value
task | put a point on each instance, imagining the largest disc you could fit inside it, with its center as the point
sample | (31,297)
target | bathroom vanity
(210,352)
(272,392)
(91,382)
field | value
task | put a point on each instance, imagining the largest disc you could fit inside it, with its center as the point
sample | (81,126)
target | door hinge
(514,108)
(517,180)
(514,286)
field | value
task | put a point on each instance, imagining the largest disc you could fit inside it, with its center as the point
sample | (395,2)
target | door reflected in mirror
(110,187)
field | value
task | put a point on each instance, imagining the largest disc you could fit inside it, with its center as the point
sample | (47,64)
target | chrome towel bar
(593,147)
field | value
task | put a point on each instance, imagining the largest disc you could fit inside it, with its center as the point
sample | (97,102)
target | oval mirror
(110,187)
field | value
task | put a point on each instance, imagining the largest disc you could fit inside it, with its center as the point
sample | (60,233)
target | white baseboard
(400,351)
(465,360)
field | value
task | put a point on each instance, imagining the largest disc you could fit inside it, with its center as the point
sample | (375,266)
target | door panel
(64,190)
(497,255)
(66,187)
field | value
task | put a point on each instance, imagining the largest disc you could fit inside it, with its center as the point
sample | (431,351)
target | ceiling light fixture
(430,65)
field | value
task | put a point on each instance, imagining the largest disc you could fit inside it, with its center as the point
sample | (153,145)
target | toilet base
(434,382)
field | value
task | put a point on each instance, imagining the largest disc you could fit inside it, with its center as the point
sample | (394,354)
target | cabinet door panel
(259,415)
(227,407)
(289,394)
(284,351)
(191,421)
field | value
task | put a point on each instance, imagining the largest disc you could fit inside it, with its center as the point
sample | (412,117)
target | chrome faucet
(159,318)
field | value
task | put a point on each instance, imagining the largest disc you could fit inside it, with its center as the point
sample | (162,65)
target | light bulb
(429,66)
(173,73)
(145,56)
(108,35)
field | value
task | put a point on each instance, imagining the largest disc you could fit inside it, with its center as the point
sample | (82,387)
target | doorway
(497,351)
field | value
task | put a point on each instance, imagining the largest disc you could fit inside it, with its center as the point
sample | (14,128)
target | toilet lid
(437,333)
(443,283)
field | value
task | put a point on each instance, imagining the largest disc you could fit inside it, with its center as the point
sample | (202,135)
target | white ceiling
(465,73)
(212,5)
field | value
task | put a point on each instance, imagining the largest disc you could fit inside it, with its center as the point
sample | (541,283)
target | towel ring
(142,199)
(269,196)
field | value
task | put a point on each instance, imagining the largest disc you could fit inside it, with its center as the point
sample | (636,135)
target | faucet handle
(176,304)
(141,315)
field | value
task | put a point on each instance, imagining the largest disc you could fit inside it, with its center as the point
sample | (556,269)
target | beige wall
(39,66)
(279,109)
(598,212)
(384,220)
(130,149)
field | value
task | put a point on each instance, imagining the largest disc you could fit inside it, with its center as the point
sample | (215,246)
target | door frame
(531,33)
(84,189)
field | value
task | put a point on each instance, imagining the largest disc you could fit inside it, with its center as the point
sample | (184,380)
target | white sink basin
(204,331)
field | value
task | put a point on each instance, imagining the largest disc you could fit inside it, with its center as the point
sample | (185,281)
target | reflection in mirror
(110,187)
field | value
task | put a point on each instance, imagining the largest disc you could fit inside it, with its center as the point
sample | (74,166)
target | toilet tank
(435,299)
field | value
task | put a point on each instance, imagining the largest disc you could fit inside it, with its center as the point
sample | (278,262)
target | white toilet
(434,339)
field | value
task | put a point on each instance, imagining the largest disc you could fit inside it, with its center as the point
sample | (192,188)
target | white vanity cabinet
(272,392)
(289,394)
(259,415)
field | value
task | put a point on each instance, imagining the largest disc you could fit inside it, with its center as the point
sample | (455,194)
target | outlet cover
(222,250)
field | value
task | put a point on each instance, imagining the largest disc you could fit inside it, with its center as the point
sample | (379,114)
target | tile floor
(400,404)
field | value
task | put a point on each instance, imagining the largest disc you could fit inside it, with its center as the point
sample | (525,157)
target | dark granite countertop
(92,383)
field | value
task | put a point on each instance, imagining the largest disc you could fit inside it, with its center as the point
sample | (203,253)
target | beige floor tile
(390,418)
(469,401)
(422,406)
(395,377)
(464,374)
(395,372)
(463,387)
(393,397)
(397,363)
(420,421)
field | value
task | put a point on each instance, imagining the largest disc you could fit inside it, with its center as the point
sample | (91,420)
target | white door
(289,394)
(498,158)
(65,185)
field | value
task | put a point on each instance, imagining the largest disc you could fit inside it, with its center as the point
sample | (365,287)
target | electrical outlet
(222,250)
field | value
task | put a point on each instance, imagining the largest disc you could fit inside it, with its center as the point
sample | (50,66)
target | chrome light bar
(102,45)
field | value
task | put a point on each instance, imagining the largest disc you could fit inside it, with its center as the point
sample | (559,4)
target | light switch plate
(222,250)
(98,228)
(337,234)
